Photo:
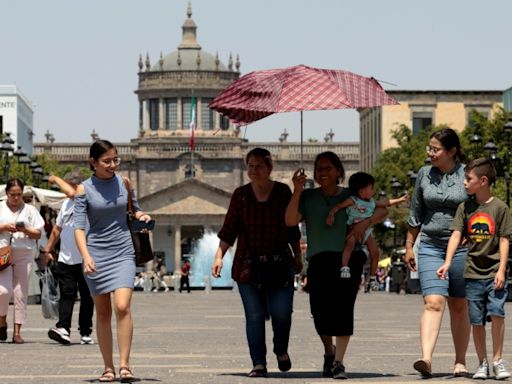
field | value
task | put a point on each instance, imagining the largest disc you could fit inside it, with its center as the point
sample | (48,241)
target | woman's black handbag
(272,271)
(141,243)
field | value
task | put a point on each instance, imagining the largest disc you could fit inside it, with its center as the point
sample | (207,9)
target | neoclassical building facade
(188,192)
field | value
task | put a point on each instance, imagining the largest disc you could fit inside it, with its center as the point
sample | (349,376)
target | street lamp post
(6,148)
(24,161)
(37,174)
(412,177)
(503,166)
(390,224)
(396,186)
(476,143)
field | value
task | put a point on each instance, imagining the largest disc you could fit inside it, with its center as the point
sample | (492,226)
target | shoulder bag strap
(130,204)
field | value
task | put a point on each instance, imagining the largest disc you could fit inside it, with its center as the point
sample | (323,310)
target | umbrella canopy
(301,88)
(259,94)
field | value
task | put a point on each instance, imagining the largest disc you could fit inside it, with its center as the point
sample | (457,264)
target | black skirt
(332,298)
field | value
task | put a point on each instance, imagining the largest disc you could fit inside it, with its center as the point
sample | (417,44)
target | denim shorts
(484,301)
(430,258)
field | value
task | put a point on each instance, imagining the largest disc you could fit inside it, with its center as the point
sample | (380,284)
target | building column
(216,117)
(161,124)
(180,119)
(177,248)
(141,115)
(145,115)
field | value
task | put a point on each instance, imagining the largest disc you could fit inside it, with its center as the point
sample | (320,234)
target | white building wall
(17,117)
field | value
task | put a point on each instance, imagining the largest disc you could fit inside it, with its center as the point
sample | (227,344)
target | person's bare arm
(384,203)
(453,244)
(89,265)
(65,188)
(217,262)
(499,280)
(409,259)
(334,210)
(360,228)
(54,237)
(292,216)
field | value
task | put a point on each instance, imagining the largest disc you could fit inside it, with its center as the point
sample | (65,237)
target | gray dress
(101,211)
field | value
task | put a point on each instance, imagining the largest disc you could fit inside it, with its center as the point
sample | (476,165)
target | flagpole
(192,132)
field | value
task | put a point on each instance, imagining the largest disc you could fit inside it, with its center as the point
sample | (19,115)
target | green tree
(49,165)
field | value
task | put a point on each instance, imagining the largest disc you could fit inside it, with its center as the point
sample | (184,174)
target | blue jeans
(276,302)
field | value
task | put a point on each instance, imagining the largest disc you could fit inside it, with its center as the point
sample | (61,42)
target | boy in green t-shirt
(487,224)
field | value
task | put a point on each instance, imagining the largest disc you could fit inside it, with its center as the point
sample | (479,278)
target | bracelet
(409,241)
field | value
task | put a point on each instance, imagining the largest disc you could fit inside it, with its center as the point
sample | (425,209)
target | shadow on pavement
(314,375)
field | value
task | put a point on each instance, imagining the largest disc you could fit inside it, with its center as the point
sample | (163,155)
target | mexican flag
(191,143)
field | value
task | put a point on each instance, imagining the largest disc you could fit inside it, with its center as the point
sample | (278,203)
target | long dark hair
(335,160)
(11,183)
(98,148)
(449,139)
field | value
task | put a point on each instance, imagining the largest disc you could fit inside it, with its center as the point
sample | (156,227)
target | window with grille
(171,114)
(185,112)
(207,118)
(154,114)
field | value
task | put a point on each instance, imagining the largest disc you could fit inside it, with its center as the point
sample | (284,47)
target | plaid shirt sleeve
(231,227)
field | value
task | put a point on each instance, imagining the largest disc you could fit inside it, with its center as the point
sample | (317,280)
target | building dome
(178,87)
(190,56)
(188,60)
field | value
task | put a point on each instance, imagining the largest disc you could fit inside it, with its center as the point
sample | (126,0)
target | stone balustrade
(280,151)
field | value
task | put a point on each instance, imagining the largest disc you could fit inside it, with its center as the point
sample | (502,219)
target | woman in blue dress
(104,241)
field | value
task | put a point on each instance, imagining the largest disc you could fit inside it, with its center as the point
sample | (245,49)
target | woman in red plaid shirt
(256,218)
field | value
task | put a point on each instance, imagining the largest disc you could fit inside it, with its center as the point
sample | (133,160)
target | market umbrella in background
(301,88)
(384,263)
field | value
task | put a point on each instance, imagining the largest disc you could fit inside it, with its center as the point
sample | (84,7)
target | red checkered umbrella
(262,93)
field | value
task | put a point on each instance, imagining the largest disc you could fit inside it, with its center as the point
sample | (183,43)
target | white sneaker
(155,290)
(60,335)
(345,272)
(482,371)
(166,289)
(86,340)
(500,372)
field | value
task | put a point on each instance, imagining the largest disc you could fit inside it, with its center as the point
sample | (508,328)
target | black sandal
(258,372)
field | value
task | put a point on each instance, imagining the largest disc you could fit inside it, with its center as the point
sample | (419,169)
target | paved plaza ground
(199,338)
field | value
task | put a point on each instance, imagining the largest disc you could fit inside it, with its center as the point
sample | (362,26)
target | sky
(77,60)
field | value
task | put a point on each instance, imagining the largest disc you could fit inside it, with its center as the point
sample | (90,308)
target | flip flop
(126,375)
(424,367)
(460,370)
(109,376)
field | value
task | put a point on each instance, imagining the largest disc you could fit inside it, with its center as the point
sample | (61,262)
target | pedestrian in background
(21,226)
(185,276)
(438,192)
(68,270)
(107,252)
